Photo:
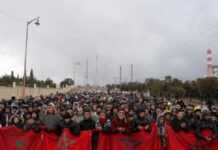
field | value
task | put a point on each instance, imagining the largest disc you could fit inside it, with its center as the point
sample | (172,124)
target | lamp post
(36,21)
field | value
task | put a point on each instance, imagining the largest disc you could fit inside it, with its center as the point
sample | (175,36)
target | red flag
(15,139)
(181,140)
(69,141)
(149,141)
(136,141)
(49,141)
(104,141)
(214,145)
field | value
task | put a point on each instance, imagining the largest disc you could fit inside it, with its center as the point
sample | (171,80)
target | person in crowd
(206,128)
(161,124)
(103,124)
(168,117)
(78,115)
(119,123)
(113,112)
(2,115)
(31,122)
(16,122)
(189,115)
(143,120)
(68,123)
(132,124)
(50,119)
(179,122)
(87,123)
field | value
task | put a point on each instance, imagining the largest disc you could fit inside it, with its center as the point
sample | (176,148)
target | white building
(215,71)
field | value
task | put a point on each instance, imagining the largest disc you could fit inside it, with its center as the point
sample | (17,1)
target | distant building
(209,63)
(215,71)
(147,94)
(212,70)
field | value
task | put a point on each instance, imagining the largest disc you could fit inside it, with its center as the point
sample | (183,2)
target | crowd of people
(116,112)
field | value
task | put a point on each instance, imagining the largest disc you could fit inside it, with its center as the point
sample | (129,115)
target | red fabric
(187,140)
(68,141)
(206,133)
(49,141)
(15,139)
(214,145)
(104,141)
(137,141)
(181,140)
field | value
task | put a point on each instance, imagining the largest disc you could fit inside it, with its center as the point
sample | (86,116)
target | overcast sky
(159,37)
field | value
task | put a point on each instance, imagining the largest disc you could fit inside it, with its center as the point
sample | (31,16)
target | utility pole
(120,74)
(131,73)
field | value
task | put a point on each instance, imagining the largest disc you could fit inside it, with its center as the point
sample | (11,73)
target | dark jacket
(132,126)
(2,119)
(87,124)
(50,121)
(177,124)
(72,126)
(143,122)
(35,127)
(105,125)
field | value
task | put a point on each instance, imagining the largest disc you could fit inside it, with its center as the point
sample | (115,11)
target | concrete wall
(8,92)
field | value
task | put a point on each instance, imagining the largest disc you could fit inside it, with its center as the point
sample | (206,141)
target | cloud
(158,37)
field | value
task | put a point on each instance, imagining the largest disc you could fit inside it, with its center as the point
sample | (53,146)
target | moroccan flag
(149,141)
(49,141)
(13,138)
(104,141)
(214,145)
(136,141)
(181,140)
(69,141)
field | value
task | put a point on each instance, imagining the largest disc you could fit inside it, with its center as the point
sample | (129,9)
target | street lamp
(36,21)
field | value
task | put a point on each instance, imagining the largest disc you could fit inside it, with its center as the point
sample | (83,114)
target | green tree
(49,82)
(12,75)
(155,86)
(31,79)
(31,75)
(6,80)
(208,87)
(67,81)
